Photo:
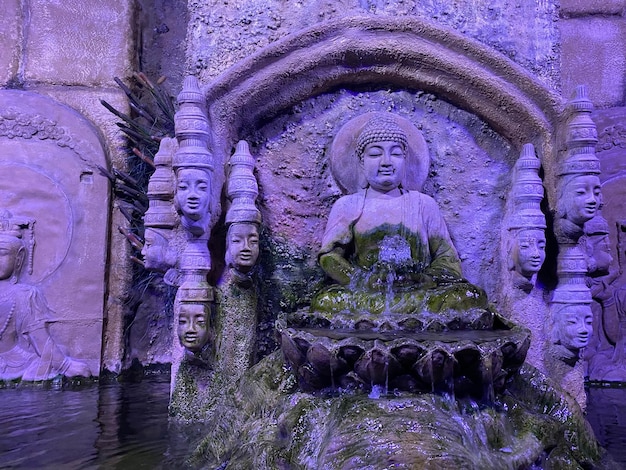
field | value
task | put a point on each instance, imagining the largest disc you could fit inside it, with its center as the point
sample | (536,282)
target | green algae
(267,424)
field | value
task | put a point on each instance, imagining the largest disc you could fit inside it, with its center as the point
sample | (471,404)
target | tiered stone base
(415,353)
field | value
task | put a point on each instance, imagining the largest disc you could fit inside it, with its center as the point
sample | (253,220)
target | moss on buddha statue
(388,247)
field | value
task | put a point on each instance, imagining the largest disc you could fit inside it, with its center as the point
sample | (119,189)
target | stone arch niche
(49,162)
(403,53)
(268,93)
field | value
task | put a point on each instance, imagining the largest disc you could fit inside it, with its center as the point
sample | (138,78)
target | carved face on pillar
(574,323)
(599,251)
(528,252)
(12,254)
(242,246)
(156,253)
(581,199)
(193,192)
(193,325)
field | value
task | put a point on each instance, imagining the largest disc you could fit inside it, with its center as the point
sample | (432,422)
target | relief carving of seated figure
(388,247)
(27,350)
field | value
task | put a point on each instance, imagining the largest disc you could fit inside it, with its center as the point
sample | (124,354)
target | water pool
(125,426)
(98,426)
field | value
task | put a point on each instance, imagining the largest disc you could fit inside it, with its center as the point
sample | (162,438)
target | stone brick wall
(71,51)
(593,51)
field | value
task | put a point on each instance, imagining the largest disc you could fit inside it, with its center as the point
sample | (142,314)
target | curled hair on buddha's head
(381,130)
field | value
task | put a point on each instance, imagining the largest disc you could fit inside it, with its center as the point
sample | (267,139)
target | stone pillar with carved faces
(569,325)
(161,217)
(192,163)
(193,168)
(527,243)
(579,199)
(237,306)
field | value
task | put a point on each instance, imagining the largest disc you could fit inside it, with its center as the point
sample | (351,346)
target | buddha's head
(242,246)
(193,325)
(574,325)
(193,192)
(528,251)
(382,150)
(12,248)
(580,198)
(12,254)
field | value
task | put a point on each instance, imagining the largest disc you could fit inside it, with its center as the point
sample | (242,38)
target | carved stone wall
(49,164)
(563,47)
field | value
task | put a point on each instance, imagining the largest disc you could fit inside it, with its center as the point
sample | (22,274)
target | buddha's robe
(407,239)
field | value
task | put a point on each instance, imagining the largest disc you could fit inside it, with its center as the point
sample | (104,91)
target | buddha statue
(27,351)
(400,315)
(386,246)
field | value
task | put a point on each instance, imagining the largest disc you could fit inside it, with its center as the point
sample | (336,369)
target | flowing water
(125,426)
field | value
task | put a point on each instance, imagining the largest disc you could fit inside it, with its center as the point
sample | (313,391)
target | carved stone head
(12,253)
(193,325)
(13,249)
(156,252)
(573,323)
(242,246)
(528,251)
(382,151)
(193,193)
(580,198)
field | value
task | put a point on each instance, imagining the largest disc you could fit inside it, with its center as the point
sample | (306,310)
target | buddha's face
(575,326)
(383,165)
(155,251)
(11,256)
(529,252)
(193,192)
(193,326)
(582,198)
(242,246)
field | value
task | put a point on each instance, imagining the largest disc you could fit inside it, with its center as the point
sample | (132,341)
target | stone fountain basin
(473,363)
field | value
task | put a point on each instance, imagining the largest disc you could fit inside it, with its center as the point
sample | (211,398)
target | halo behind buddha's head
(344,152)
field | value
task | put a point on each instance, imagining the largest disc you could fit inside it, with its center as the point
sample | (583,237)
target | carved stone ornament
(49,160)
(27,350)
(242,217)
(579,200)
(527,241)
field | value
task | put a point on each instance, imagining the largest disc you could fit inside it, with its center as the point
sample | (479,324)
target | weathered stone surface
(592,7)
(220,33)
(74,43)
(120,271)
(49,159)
(593,54)
(11,30)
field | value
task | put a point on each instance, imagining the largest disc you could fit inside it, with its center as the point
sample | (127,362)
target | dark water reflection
(107,426)
(125,426)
